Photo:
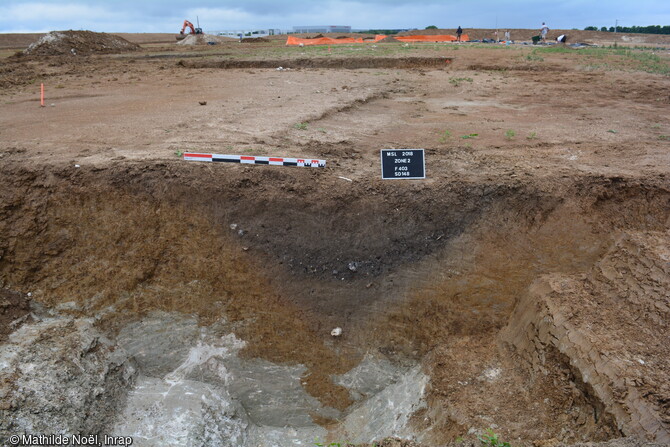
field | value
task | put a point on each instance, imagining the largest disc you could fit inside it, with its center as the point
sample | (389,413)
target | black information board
(403,164)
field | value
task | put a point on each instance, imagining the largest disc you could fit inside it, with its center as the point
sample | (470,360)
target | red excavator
(188,24)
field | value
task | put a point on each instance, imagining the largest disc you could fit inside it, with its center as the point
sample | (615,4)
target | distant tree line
(651,29)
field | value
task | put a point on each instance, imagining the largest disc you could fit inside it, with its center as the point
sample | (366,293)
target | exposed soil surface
(350,63)
(14,307)
(527,274)
(58,43)
(255,40)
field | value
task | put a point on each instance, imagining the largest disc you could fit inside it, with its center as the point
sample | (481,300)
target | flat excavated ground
(543,165)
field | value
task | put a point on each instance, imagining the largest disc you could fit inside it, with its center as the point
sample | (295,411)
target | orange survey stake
(42,95)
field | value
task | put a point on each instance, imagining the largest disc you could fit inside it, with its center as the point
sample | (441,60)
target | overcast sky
(168,15)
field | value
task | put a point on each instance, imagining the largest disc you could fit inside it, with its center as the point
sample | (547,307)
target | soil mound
(57,43)
(255,40)
(203,39)
(389,39)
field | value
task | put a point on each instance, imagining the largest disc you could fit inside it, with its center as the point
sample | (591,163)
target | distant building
(382,31)
(322,29)
(248,33)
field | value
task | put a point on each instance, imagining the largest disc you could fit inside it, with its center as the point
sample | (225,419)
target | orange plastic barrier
(434,38)
(330,41)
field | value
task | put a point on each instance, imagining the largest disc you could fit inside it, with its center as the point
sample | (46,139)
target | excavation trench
(330,63)
(204,297)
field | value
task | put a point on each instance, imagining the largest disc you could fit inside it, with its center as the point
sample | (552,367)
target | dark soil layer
(350,63)
(14,307)
(257,246)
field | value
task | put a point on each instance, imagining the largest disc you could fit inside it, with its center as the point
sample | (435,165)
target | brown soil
(389,39)
(23,40)
(624,308)
(255,40)
(349,63)
(96,207)
(57,43)
(14,307)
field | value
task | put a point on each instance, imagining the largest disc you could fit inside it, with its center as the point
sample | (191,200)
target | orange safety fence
(330,41)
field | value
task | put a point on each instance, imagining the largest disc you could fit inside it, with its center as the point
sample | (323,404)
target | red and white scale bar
(249,159)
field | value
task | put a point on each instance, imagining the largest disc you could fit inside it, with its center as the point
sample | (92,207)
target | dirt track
(542,168)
